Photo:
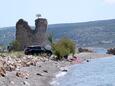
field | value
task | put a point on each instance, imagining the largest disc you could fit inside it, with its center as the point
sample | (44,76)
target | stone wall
(27,36)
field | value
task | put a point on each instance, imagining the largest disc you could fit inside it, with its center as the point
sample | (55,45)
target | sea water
(100,50)
(97,72)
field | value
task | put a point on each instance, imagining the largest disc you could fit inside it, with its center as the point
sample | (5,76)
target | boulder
(111,51)
(2,72)
(84,50)
(22,74)
(2,69)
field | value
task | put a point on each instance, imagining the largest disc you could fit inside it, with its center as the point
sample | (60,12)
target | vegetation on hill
(96,33)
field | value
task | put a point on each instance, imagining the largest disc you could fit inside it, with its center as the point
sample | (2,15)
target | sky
(56,11)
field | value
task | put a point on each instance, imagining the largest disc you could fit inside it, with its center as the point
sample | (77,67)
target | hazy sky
(56,11)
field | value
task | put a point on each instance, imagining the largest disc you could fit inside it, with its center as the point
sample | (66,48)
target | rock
(22,74)
(39,74)
(26,83)
(11,64)
(2,69)
(10,67)
(12,82)
(2,72)
(84,50)
(45,71)
(40,66)
(87,60)
(111,51)
(64,70)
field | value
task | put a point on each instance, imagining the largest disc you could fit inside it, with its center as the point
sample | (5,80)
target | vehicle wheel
(25,53)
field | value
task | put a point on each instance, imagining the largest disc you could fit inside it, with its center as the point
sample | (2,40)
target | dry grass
(13,54)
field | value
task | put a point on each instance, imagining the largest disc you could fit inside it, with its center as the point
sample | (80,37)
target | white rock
(12,82)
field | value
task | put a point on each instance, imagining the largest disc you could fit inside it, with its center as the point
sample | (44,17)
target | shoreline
(88,56)
(96,72)
(39,75)
(59,74)
(43,73)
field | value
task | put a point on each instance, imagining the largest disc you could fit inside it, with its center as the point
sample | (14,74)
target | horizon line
(70,22)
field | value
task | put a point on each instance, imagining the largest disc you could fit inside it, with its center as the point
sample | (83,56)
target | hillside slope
(95,33)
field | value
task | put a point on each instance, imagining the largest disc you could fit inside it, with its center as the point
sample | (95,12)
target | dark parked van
(32,50)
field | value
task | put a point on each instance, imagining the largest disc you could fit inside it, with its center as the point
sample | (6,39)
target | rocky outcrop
(84,50)
(27,36)
(111,51)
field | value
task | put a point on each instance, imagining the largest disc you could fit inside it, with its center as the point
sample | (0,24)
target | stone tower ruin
(27,36)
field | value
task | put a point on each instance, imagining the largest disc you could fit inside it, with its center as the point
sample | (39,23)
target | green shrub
(63,47)
(68,44)
(15,45)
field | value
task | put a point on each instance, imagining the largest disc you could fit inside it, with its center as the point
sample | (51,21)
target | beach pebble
(63,68)
(87,60)
(26,83)
(40,66)
(39,74)
(22,74)
(12,82)
(45,71)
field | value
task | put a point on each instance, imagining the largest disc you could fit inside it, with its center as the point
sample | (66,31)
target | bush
(14,45)
(2,48)
(50,38)
(63,48)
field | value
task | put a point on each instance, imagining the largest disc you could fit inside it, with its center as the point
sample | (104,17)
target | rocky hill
(94,33)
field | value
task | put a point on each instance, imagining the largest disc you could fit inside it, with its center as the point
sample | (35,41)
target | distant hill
(94,33)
